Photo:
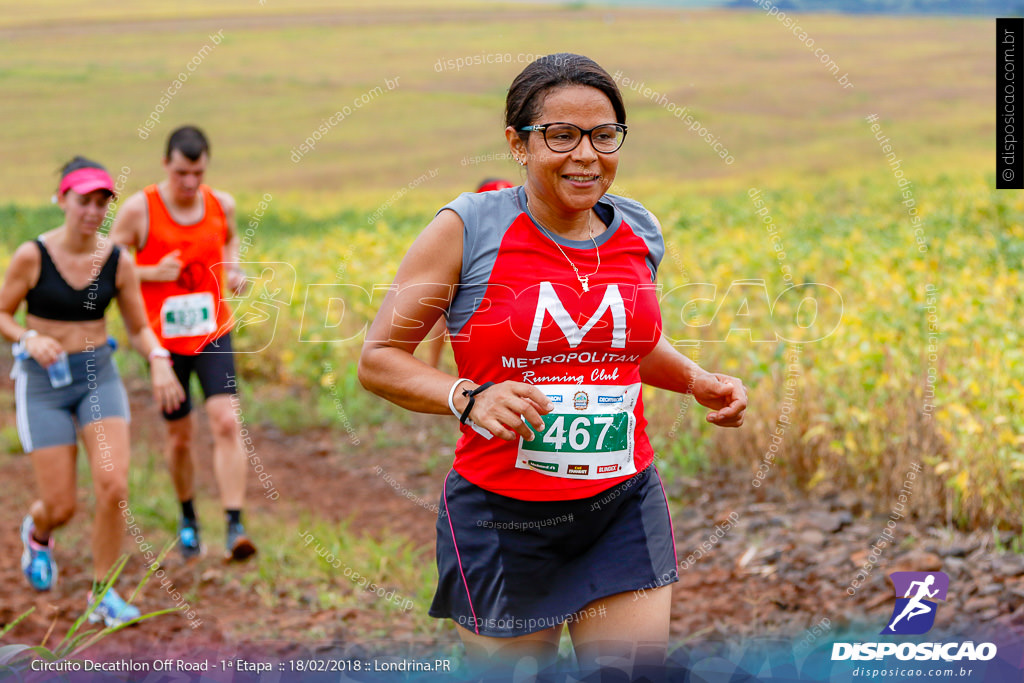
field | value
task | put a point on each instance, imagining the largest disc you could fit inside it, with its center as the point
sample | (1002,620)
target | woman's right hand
(43,349)
(501,409)
(167,390)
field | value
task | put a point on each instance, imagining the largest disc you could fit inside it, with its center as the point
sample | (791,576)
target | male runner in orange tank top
(186,247)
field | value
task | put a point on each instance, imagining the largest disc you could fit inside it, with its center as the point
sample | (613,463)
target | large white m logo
(548,302)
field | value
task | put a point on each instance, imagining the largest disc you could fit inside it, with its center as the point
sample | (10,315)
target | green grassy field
(84,81)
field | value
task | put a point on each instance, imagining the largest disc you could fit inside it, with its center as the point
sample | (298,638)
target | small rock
(328,648)
(831,558)
(723,517)
(691,526)
(852,501)
(1008,564)
(811,537)
(945,617)
(690,580)
(916,561)
(1013,601)
(863,531)
(954,566)
(1014,586)
(211,575)
(878,600)
(1009,621)
(952,549)
(991,589)
(982,554)
(746,557)
(981,604)
(823,521)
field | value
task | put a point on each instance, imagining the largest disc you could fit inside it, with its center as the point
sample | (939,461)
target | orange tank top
(188,313)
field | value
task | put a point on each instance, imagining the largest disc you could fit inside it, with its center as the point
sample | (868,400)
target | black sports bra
(54,299)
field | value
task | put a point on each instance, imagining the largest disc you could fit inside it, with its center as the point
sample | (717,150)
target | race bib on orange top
(187,315)
(186,325)
(589,434)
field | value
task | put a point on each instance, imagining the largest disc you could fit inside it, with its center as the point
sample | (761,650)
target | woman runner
(553,512)
(66,378)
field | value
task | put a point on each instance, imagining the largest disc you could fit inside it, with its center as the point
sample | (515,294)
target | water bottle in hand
(60,371)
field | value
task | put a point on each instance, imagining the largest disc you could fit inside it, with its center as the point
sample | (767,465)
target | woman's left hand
(724,395)
(166,389)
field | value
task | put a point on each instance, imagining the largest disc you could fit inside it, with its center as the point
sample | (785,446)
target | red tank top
(188,313)
(521,314)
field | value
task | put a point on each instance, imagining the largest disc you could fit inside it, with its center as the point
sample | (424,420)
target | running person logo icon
(914,613)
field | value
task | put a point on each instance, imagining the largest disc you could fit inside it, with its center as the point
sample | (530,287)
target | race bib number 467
(589,434)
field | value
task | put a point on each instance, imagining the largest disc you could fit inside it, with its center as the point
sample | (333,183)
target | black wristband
(472,399)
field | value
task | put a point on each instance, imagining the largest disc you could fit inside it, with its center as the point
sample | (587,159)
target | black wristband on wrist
(472,399)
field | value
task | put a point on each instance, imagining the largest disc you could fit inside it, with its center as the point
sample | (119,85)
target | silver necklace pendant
(584,279)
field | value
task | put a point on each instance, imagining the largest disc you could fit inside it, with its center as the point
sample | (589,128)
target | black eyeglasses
(565,137)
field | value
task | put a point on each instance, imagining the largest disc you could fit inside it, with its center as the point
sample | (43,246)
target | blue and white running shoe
(36,559)
(189,544)
(112,610)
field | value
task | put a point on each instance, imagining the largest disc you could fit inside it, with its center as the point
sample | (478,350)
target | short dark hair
(188,140)
(79,162)
(527,92)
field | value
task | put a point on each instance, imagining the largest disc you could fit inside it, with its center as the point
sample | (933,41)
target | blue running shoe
(188,540)
(37,560)
(239,547)
(112,610)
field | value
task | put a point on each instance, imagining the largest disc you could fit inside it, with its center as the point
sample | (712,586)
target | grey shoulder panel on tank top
(486,216)
(644,226)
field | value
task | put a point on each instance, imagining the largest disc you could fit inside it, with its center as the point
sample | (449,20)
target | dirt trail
(747,569)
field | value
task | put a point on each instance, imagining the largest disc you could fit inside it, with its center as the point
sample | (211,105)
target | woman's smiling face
(575,180)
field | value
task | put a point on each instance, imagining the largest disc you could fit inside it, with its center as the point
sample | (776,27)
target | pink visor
(86,180)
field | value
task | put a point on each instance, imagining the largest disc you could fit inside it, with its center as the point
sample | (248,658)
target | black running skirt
(508,567)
